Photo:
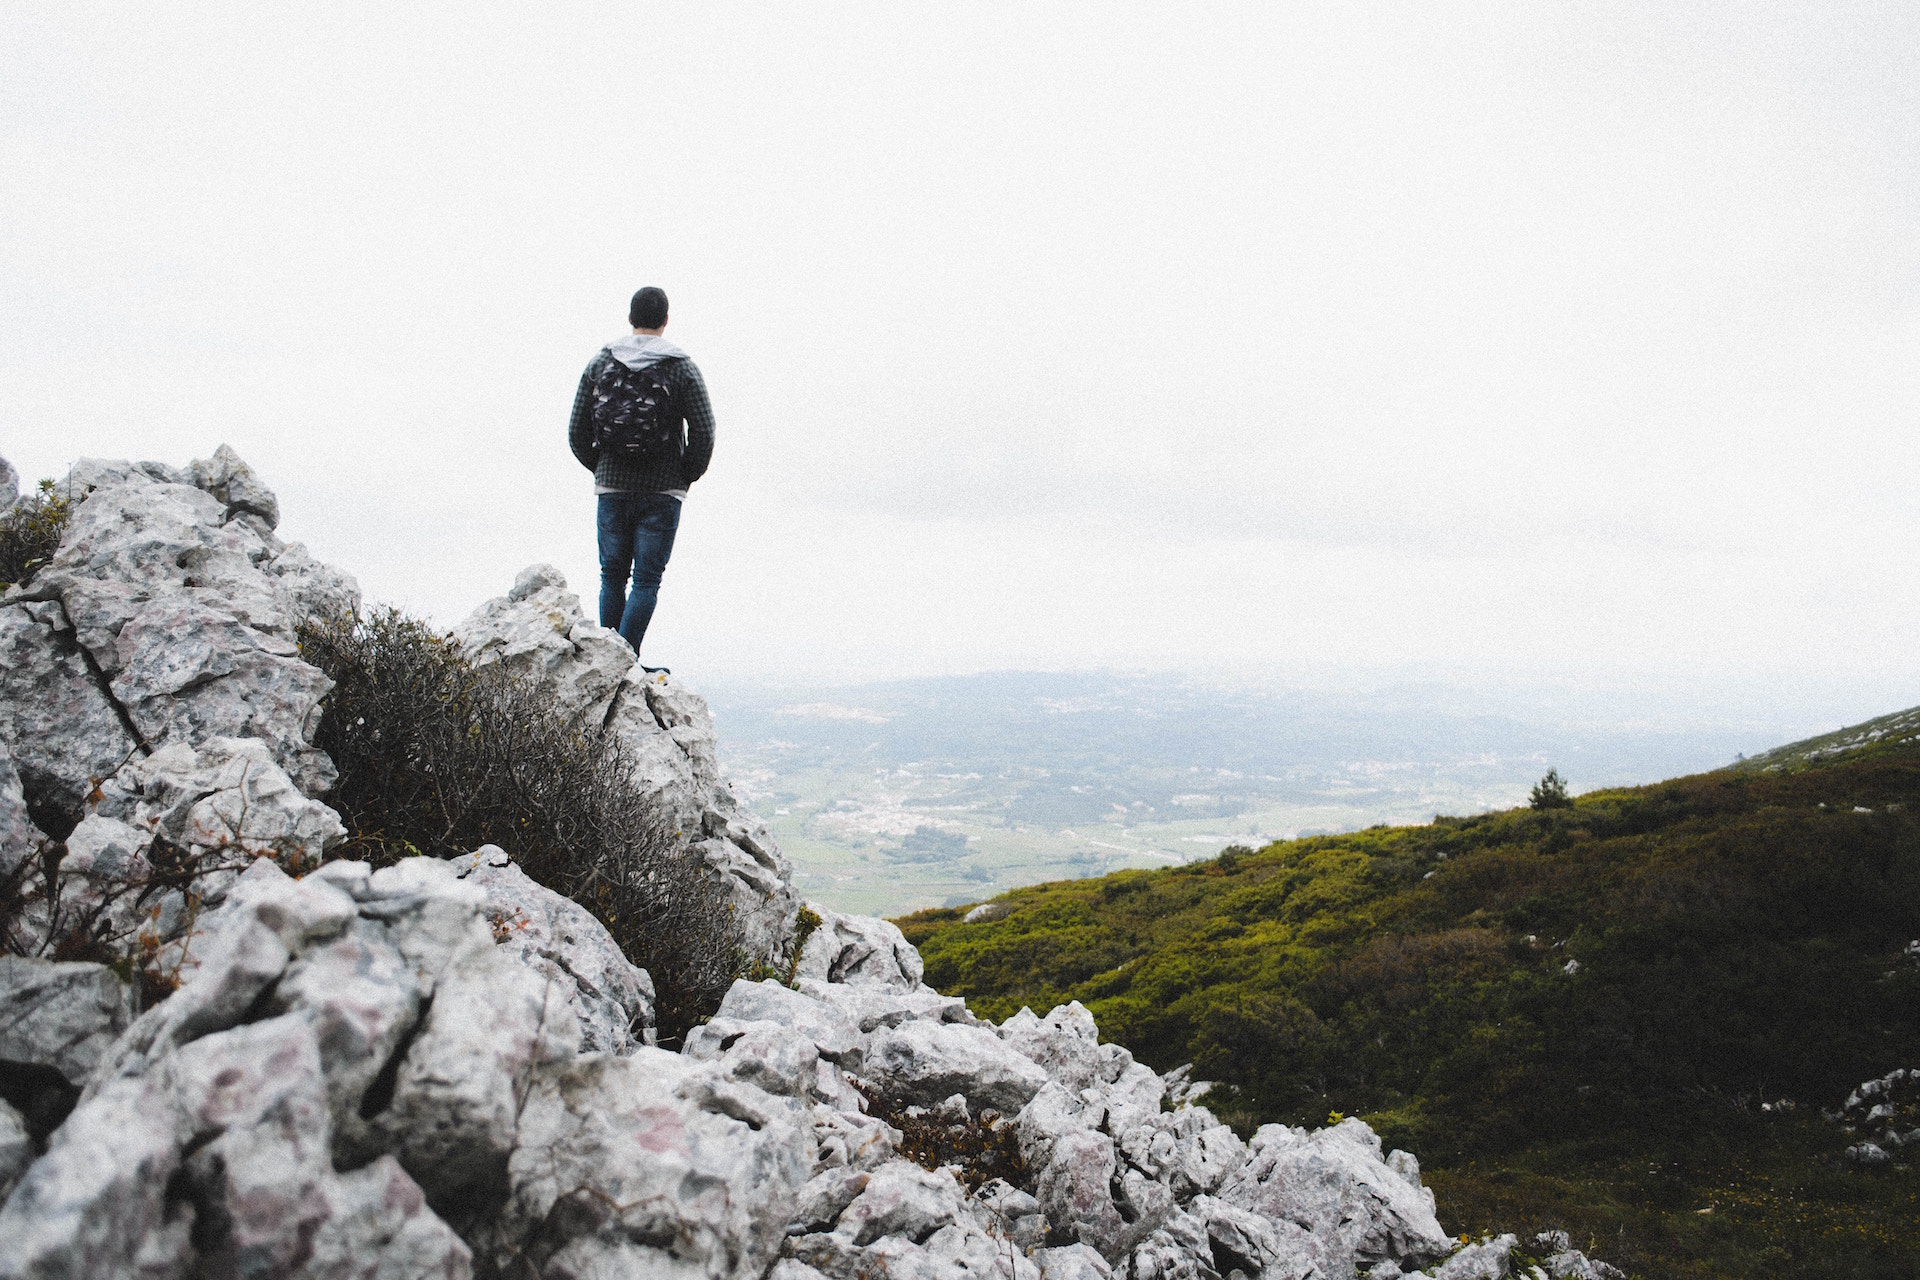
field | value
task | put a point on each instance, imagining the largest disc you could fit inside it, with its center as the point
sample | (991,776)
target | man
(642,425)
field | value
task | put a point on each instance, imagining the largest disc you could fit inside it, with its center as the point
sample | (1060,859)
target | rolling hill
(1621,1017)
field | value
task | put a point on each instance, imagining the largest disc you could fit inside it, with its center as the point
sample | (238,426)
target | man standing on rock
(641,423)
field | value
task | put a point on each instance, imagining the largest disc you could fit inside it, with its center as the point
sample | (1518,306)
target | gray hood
(637,351)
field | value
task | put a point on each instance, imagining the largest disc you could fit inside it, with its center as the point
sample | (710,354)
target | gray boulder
(1490,1259)
(927,1062)
(859,951)
(18,836)
(63,1016)
(9,486)
(1336,1183)
(610,997)
(834,1035)
(1075,1191)
(184,603)
(1066,1043)
(62,732)
(650,1165)
(16,1148)
(872,1006)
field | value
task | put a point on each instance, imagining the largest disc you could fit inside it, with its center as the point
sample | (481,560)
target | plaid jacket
(657,476)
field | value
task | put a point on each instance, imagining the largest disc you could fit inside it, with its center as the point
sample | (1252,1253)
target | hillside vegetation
(1586,1016)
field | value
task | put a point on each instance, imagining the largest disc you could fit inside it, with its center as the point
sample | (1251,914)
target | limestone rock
(649,1165)
(1487,1260)
(63,1016)
(764,1054)
(610,998)
(18,836)
(1075,1191)
(189,672)
(230,792)
(9,485)
(901,1199)
(1336,1184)
(834,1035)
(16,1148)
(1072,1262)
(62,733)
(859,950)
(184,600)
(234,483)
(873,1006)
(1066,1043)
(927,1062)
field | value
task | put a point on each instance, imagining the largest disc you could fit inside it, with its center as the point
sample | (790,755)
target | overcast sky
(1552,342)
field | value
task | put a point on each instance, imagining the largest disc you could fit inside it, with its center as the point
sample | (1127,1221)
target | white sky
(1570,342)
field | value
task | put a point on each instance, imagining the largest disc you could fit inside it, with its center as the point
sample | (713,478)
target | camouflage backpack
(633,412)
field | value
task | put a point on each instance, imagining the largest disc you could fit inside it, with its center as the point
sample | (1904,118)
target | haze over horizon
(1506,345)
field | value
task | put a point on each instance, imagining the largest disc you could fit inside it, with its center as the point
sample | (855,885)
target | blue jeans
(636,531)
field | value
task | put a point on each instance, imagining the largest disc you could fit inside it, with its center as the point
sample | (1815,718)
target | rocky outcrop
(166,615)
(442,1069)
(1884,1114)
(538,631)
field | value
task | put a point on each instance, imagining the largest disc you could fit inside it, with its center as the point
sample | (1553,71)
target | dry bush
(439,757)
(978,1148)
(30,533)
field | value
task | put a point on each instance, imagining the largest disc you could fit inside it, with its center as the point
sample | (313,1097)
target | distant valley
(891,797)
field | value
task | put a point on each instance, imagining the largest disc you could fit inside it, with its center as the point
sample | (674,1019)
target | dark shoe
(656,671)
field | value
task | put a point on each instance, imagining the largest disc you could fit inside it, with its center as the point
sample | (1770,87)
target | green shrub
(30,533)
(1550,792)
(439,757)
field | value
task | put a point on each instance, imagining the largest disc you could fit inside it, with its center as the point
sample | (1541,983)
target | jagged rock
(16,1148)
(860,951)
(312,588)
(927,1062)
(610,997)
(650,1165)
(1176,1249)
(171,592)
(218,806)
(1066,1043)
(1336,1184)
(901,1199)
(233,482)
(63,1016)
(18,836)
(9,486)
(834,1035)
(1075,1191)
(763,1054)
(1564,1262)
(191,673)
(230,793)
(825,1197)
(874,1006)
(62,733)
(1487,1260)
(1072,1262)
(1240,1240)
(538,631)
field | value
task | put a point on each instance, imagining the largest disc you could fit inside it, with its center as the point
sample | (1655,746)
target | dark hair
(649,309)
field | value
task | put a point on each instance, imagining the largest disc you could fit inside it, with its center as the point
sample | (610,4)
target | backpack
(634,418)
